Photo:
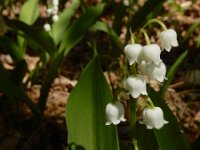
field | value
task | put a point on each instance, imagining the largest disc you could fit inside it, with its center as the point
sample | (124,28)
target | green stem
(135,144)
(133,110)
(146,36)
(132,37)
(150,102)
(133,69)
(156,21)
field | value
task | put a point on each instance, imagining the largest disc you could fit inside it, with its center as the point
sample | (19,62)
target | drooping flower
(55,2)
(168,39)
(153,118)
(47,27)
(151,53)
(55,18)
(136,85)
(153,71)
(114,113)
(132,52)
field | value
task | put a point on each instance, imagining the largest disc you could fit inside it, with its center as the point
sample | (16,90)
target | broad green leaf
(76,31)
(59,27)
(29,11)
(36,34)
(171,136)
(171,73)
(85,111)
(28,14)
(102,26)
(145,138)
(72,36)
(119,12)
(12,90)
(11,48)
(192,28)
(18,73)
(48,80)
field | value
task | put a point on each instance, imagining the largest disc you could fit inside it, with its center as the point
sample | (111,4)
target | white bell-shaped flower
(168,39)
(49,11)
(47,27)
(136,85)
(151,53)
(114,113)
(55,18)
(132,52)
(55,2)
(153,71)
(153,118)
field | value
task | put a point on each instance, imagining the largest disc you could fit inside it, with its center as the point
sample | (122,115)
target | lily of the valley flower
(168,39)
(55,18)
(136,85)
(151,53)
(153,71)
(55,2)
(132,52)
(114,113)
(47,27)
(153,118)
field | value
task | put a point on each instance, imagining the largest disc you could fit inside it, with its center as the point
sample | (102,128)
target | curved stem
(150,102)
(132,37)
(135,144)
(156,21)
(146,36)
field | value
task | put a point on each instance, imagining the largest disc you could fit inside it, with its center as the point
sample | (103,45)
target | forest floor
(182,96)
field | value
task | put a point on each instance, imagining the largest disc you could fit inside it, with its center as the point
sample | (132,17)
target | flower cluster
(145,65)
(52,11)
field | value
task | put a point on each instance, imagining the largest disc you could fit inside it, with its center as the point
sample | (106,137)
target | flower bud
(136,85)
(49,11)
(153,118)
(168,39)
(55,2)
(55,18)
(132,52)
(47,27)
(114,113)
(151,53)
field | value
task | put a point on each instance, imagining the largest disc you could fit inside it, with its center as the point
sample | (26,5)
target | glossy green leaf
(102,26)
(28,14)
(11,48)
(171,136)
(145,138)
(48,81)
(37,35)
(171,73)
(86,111)
(192,28)
(29,11)
(12,90)
(59,27)
(72,36)
(76,31)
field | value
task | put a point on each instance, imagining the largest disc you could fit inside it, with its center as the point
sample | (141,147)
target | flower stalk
(135,144)
(146,36)
(150,103)
(156,21)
